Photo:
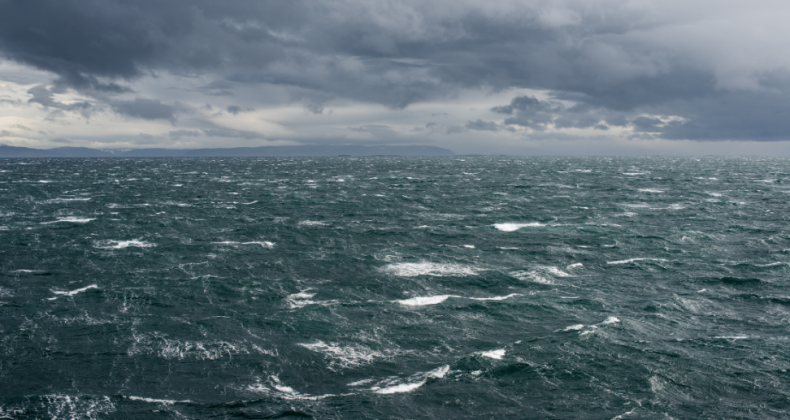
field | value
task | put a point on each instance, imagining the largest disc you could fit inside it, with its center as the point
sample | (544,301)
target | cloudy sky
(558,77)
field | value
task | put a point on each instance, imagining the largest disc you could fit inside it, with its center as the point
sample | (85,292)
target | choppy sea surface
(395,288)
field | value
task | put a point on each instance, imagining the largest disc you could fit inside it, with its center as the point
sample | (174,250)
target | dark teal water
(394,288)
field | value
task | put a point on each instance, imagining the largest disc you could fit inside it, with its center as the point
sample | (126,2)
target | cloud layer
(703,70)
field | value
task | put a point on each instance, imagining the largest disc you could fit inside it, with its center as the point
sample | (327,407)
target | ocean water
(395,288)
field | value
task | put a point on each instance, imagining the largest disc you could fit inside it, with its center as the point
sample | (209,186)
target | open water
(395,288)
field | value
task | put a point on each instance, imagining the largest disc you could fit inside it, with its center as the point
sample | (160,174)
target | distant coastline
(263,151)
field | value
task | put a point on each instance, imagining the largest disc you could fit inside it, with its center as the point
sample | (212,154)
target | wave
(397,386)
(312,223)
(72,292)
(497,298)
(70,220)
(278,389)
(126,244)
(425,300)
(540,274)
(512,227)
(632,260)
(430,269)
(300,300)
(157,401)
(66,200)
(264,244)
(494,354)
(575,327)
(344,356)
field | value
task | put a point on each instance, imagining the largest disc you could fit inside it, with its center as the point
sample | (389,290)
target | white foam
(68,199)
(70,220)
(573,266)
(424,300)
(556,271)
(126,244)
(575,327)
(611,320)
(430,269)
(732,337)
(312,223)
(264,244)
(469,246)
(157,401)
(531,275)
(651,190)
(73,292)
(300,300)
(497,298)
(631,260)
(494,354)
(634,173)
(344,356)
(399,388)
(512,227)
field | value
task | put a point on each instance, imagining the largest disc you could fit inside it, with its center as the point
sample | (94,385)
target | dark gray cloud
(147,109)
(616,61)
(480,125)
(44,96)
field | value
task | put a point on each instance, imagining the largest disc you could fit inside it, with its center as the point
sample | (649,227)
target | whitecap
(512,227)
(424,300)
(414,382)
(531,275)
(573,266)
(312,223)
(494,354)
(611,320)
(575,327)
(284,391)
(400,388)
(344,356)
(263,244)
(634,173)
(650,190)
(126,244)
(430,269)
(497,298)
(68,199)
(157,401)
(300,300)
(70,220)
(72,292)
(631,260)
(555,271)
(732,337)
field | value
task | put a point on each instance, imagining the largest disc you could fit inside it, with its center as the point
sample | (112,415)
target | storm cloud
(703,70)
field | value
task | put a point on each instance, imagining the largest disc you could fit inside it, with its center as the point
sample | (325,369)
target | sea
(395,288)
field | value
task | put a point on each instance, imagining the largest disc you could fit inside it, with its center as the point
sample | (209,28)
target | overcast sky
(576,77)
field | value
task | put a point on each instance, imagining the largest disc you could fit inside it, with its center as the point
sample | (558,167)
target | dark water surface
(394,288)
